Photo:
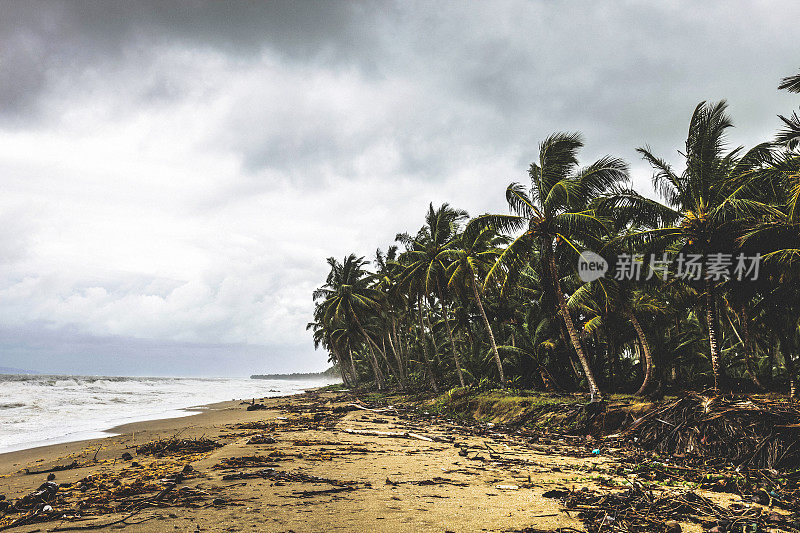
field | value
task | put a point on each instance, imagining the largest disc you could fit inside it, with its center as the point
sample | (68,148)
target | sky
(174,174)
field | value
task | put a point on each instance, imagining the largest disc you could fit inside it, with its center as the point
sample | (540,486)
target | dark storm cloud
(43,42)
(175,173)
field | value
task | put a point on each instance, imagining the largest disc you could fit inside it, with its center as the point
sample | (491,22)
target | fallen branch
(391,434)
(309,493)
(279,475)
(379,410)
(60,468)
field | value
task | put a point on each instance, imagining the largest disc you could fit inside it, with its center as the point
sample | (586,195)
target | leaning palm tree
(348,297)
(555,217)
(608,298)
(475,254)
(709,204)
(425,261)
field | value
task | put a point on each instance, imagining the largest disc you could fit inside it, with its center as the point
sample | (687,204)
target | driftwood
(60,468)
(279,475)
(379,410)
(310,493)
(392,434)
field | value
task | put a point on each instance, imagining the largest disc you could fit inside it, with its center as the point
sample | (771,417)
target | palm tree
(323,336)
(706,206)
(392,304)
(348,297)
(611,298)
(425,263)
(554,214)
(475,254)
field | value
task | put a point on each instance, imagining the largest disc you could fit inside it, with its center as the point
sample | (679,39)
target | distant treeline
(332,372)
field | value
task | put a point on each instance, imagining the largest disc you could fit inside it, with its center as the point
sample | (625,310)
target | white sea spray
(37,410)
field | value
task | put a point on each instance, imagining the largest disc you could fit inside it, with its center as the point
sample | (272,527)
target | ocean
(40,410)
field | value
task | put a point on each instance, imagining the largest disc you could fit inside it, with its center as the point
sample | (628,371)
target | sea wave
(39,409)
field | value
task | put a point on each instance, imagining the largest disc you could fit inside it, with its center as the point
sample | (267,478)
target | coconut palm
(425,262)
(554,214)
(348,297)
(476,252)
(706,206)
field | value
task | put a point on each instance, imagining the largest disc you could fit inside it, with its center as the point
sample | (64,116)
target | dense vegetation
(498,299)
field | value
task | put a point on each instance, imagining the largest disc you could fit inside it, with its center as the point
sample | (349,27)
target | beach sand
(461,481)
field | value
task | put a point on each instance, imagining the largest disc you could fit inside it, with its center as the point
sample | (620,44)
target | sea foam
(39,410)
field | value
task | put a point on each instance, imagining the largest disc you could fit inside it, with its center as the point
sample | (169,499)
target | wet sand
(330,471)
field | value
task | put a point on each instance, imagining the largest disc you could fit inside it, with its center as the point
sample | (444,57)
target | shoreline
(146,422)
(109,412)
(312,461)
(90,435)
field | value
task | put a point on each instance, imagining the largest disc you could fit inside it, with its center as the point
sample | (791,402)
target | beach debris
(390,434)
(254,460)
(379,410)
(280,475)
(176,446)
(744,430)
(320,492)
(425,482)
(556,493)
(60,468)
(258,424)
(37,499)
(642,509)
(262,438)
(127,456)
(257,407)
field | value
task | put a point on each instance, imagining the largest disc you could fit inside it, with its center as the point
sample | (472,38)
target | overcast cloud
(175,174)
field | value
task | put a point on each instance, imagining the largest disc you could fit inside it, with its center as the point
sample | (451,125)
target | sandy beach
(310,462)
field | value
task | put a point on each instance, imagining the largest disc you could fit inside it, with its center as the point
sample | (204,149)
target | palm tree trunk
(376,367)
(427,363)
(773,361)
(711,318)
(497,360)
(433,338)
(382,350)
(647,364)
(612,376)
(342,367)
(594,390)
(400,371)
(748,348)
(790,371)
(788,361)
(573,363)
(352,366)
(450,336)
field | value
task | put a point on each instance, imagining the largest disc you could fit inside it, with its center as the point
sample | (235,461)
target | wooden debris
(280,475)
(391,434)
(175,446)
(744,430)
(60,468)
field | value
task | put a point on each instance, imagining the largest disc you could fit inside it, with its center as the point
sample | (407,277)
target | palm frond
(790,83)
